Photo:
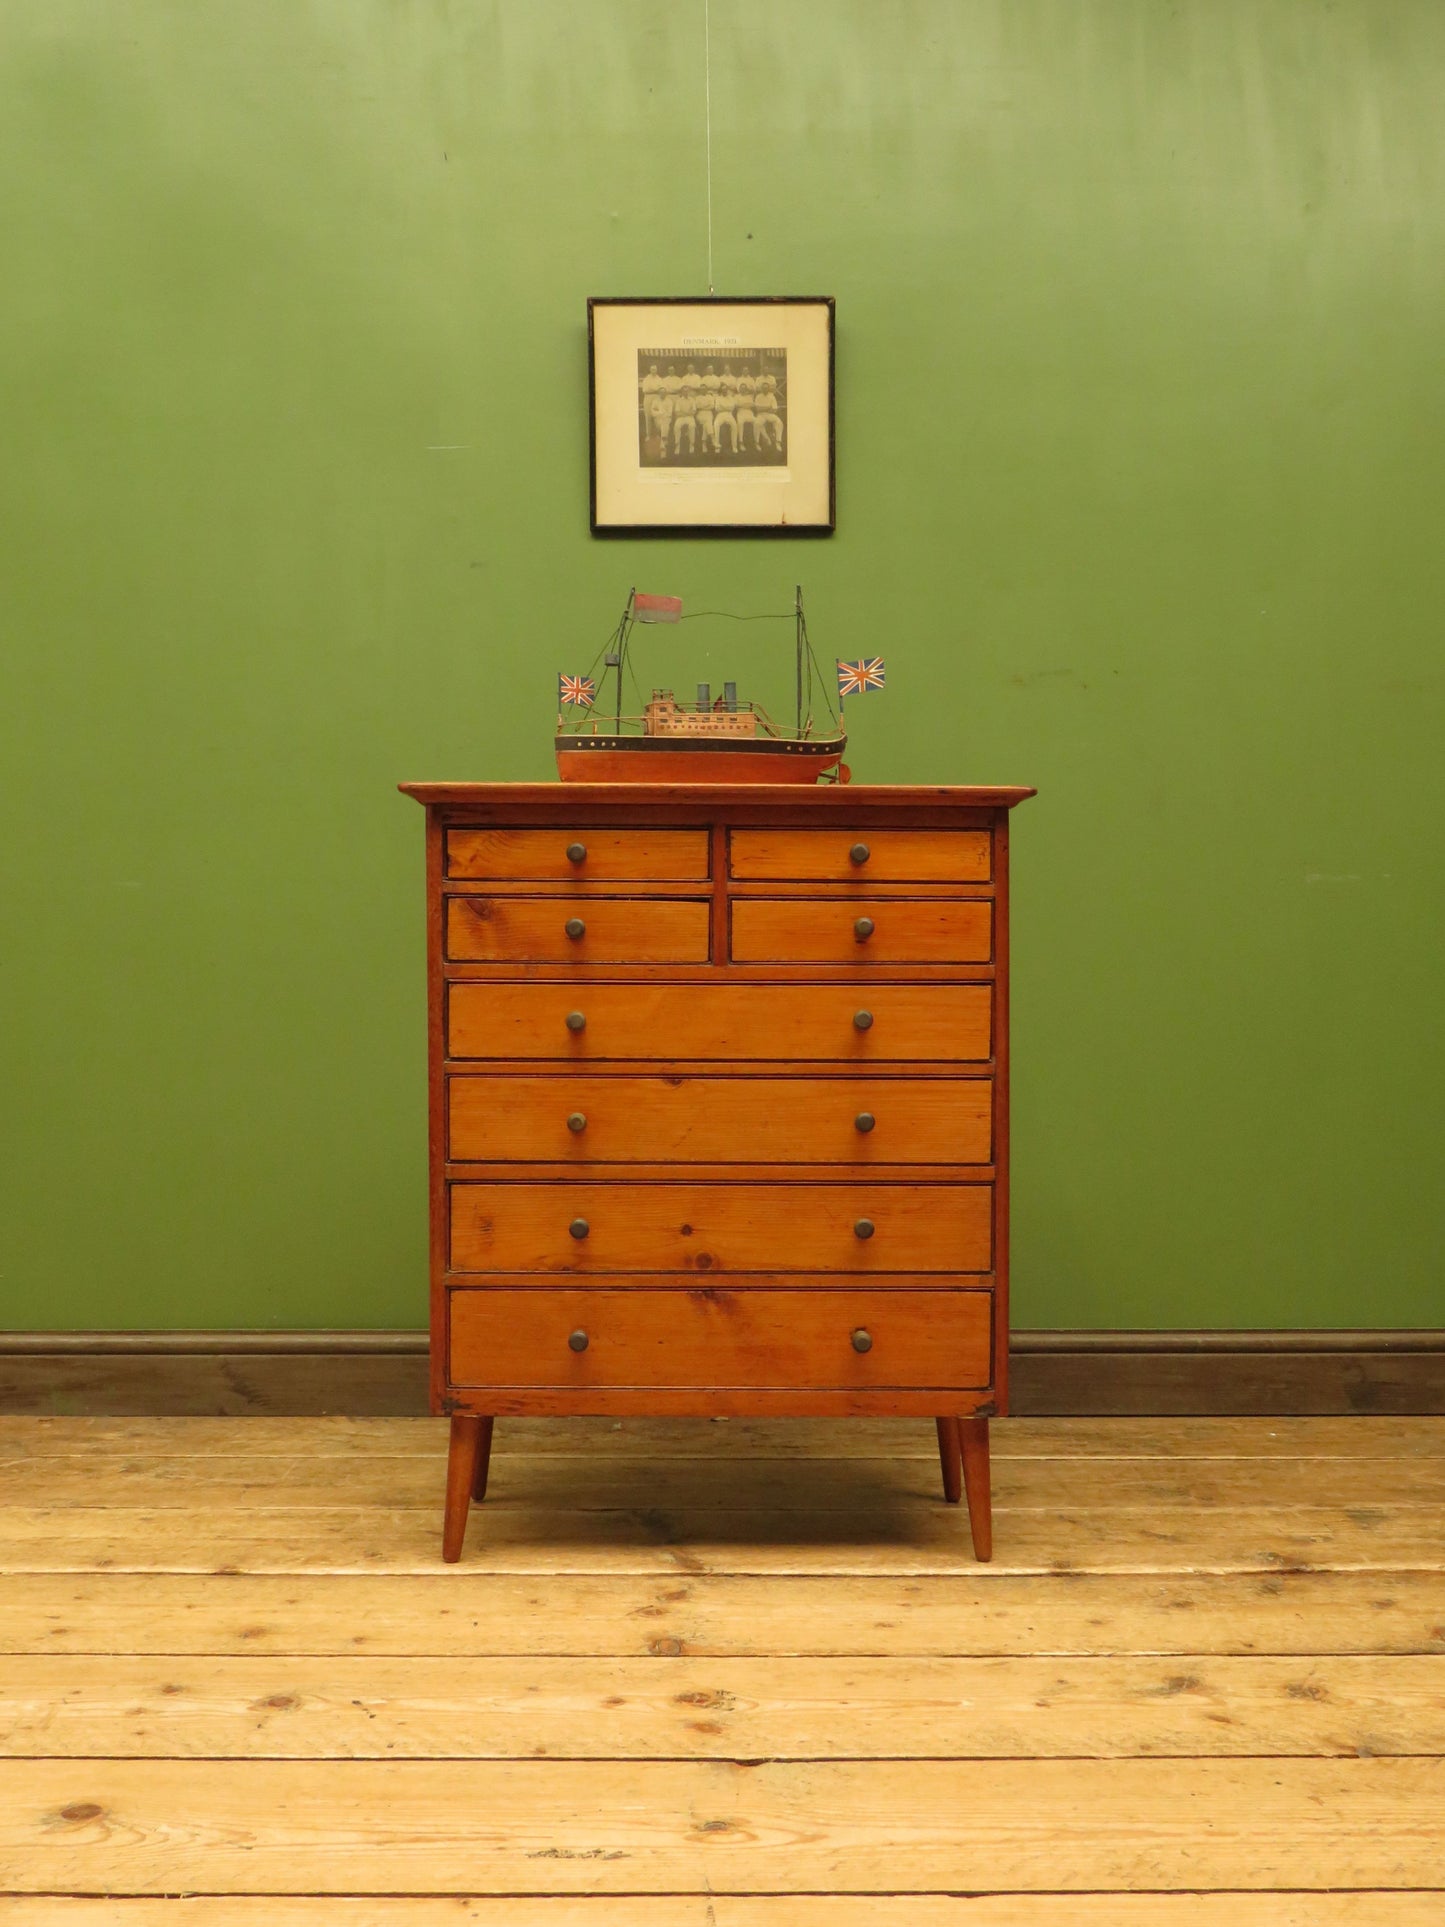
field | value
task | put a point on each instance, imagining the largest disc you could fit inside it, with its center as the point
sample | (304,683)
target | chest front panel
(719,1102)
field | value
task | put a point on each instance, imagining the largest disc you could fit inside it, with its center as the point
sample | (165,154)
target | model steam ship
(713,740)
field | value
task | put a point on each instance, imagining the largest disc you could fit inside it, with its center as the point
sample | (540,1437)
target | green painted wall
(1140,492)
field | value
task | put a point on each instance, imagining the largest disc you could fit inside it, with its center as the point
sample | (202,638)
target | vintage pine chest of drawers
(719,1108)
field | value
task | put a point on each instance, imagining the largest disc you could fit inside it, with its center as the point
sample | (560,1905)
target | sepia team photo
(712,410)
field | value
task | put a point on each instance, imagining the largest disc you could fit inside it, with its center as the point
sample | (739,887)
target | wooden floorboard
(722,1675)
(699,1826)
(1372,1909)
(868,1532)
(772,1485)
(972,1612)
(303,1707)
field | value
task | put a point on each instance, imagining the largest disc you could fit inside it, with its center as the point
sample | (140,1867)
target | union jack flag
(855,678)
(576,689)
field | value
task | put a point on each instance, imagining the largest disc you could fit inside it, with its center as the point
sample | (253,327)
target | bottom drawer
(709,1335)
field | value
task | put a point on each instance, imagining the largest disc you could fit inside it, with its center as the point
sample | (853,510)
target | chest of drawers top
(684,805)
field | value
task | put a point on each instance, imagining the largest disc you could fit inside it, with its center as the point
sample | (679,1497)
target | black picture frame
(664,462)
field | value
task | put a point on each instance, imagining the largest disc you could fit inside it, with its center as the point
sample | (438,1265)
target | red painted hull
(666,759)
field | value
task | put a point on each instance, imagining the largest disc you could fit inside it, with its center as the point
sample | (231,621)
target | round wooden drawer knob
(575,928)
(863,1228)
(862,1020)
(863,929)
(577,1122)
(578,1341)
(579,1227)
(862,1340)
(864,1121)
(576,852)
(576,1020)
(858,853)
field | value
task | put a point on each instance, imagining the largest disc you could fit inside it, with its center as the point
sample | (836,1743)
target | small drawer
(860,930)
(578,855)
(554,930)
(720,1120)
(862,856)
(719,1337)
(577,1226)
(682,1023)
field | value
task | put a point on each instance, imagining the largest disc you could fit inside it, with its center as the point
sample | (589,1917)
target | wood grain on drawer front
(608,856)
(614,930)
(825,930)
(749,1120)
(680,1023)
(715,1336)
(862,856)
(720,1227)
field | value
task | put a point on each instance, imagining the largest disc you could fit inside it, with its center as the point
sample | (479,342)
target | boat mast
(624,629)
(798,610)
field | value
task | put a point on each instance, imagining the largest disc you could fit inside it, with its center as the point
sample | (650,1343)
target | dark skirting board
(1054,1374)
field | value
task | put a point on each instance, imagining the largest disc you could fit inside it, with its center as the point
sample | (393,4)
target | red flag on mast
(657,608)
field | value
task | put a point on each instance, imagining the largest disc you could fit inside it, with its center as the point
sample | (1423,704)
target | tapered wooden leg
(484,1459)
(461,1473)
(950,1457)
(973,1437)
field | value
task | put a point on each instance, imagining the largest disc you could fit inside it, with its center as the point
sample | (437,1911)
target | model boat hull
(694,759)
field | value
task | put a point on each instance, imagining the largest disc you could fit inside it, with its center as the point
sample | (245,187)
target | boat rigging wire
(768,615)
(617,641)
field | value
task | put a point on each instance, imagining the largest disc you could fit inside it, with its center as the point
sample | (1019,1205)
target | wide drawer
(680,1023)
(745,1120)
(578,855)
(714,1336)
(861,856)
(859,930)
(586,1227)
(554,930)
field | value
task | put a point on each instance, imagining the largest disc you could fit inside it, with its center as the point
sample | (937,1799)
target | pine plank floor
(722,1674)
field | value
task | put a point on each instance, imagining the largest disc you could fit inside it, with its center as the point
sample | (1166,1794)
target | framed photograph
(712,415)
